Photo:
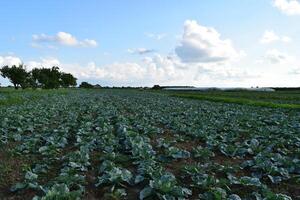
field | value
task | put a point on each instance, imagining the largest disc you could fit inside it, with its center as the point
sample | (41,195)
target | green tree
(34,78)
(47,78)
(67,80)
(16,74)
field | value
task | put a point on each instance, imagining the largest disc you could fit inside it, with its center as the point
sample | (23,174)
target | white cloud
(158,36)
(43,38)
(286,39)
(295,71)
(63,38)
(224,72)
(39,46)
(66,39)
(150,70)
(140,51)
(88,43)
(43,63)
(288,7)
(9,60)
(116,71)
(270,36)
(274,56)
(157,69)
(200,44)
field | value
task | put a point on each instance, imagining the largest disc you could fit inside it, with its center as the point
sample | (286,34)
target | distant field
(139,144)
(290,99)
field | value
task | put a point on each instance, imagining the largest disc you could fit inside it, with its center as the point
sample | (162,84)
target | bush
(156,87)
(86,85)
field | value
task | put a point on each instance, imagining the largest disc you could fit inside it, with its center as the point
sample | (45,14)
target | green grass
(289,97)
(11,100)
(11,96)
(237,100)
(290,100)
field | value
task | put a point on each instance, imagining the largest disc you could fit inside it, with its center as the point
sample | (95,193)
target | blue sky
(138,42)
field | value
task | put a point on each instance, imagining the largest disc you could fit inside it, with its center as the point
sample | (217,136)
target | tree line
(46,78)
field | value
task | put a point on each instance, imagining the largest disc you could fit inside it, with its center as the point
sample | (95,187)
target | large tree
(16,74)
(47,78)
(67,80)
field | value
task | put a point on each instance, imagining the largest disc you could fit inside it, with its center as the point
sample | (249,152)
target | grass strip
(13,97)
(242,101)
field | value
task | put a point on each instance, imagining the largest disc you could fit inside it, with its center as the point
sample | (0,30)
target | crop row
(138,145)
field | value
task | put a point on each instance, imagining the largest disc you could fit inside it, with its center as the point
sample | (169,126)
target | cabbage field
(130,144)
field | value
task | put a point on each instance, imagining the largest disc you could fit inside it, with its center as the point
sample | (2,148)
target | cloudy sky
(171,42)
